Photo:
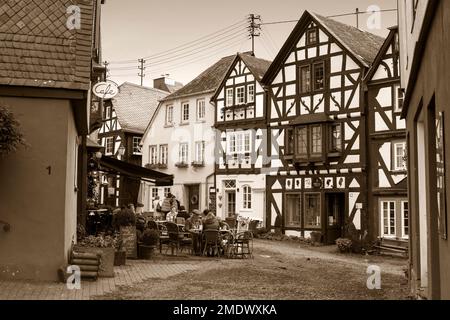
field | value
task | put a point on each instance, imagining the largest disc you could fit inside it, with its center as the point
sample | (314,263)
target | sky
(166,32)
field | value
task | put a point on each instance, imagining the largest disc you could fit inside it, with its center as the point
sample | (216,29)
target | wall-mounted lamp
(98,155)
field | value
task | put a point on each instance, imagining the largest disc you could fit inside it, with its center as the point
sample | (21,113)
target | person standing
(166,206)
(157,205)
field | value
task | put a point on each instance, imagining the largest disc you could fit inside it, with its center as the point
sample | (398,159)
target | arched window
(247,194)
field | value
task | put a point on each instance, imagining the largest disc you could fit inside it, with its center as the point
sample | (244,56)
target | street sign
(106,90)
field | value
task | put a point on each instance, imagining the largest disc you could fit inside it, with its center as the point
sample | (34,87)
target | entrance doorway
(193,197)
(231,203)
(335,208)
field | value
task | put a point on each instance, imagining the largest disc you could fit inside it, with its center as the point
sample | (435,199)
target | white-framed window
(169,115)
(200,151)
(247,196)
(137,145)
(185,112)
(166,192)
(108,112)
(230,97)
(399,97)
(388,218)
(201,109)
(250,93)
(109,146)
(405,219)
(247,142)
(184,152)
(153,155)
(163,154)
(399,156)
(240,95)
(155,193)
(239,142)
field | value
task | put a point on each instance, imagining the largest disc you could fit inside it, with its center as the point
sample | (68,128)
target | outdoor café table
(196,241)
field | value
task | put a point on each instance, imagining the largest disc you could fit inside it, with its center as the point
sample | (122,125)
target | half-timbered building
(240,122)
(388,203)
(124,122)
(317,130)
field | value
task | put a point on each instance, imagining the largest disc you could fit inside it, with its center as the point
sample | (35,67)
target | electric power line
(333,16)
(182,47)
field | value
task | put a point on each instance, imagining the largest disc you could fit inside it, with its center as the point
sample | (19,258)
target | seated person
(194,221)
(182,213)
(172,215)
(210,222)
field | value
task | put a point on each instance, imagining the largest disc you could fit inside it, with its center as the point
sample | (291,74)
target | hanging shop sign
(106,90)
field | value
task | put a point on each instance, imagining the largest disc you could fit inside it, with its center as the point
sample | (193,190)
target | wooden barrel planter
(146,252)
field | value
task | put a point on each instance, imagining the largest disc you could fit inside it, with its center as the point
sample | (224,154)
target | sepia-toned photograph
(224,157)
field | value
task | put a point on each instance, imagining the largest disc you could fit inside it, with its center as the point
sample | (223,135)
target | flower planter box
(106,268)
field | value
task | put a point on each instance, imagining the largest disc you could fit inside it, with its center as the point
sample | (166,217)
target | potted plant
(344,245)
(150,239)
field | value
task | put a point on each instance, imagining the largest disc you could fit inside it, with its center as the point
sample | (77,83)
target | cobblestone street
(279,270)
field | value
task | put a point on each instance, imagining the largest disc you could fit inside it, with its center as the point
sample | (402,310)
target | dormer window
(311,36)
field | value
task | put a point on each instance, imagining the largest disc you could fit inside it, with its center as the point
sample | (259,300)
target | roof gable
(135,106)
(362,46)
(381,53)
(206,82)
(258,67)
(38,49)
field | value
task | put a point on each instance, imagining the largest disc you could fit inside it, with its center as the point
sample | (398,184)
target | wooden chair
(211,240)
(163,233)
(243,244)
(178,240)
(227,243)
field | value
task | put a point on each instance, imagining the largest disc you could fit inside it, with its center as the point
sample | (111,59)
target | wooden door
(335,208)
(193,197)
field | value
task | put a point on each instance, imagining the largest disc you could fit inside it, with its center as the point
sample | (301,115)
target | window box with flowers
(181,165)
(162,166)
(198,164)
(152,166)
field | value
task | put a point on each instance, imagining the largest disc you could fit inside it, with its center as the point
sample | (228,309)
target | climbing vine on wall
(11,136)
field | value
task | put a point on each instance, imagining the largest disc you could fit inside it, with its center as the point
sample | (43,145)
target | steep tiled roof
(38,49)
(207,81)
(135,106)
(256,65)
(364,45)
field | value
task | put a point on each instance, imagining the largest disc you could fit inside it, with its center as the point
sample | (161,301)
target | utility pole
(357,18)
(254,29)
(142,69)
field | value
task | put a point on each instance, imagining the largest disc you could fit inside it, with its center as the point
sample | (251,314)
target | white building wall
(195,130)
(258,202)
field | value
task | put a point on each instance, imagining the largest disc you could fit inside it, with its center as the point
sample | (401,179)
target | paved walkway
(133,273)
